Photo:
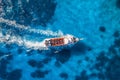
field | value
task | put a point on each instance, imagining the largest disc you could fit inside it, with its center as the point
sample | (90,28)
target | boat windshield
(74,39)
(47,42)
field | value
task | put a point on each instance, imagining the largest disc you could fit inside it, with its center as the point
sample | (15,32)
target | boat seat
(57,41)
(47,42)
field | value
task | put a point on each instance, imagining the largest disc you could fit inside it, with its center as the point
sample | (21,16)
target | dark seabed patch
(3,67)
(109,68)
(46,60)
(8,46)
(39,74)
(118,4)
(116,34)
(3,64)
(102,28)
(37,12)
(39,64)
(117,42)
(101,60)
(82,76)
(32,62)
(112,50)
(113,69)
(1,53)
(64,75)
(15,75)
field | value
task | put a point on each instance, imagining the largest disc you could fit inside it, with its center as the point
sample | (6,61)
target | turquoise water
(25,23)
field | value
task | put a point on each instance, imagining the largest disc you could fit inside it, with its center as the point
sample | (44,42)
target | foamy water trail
(22,42)
(38,31)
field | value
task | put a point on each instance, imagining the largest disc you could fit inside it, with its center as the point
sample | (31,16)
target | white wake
(21,41)
(28,28)
(8,39)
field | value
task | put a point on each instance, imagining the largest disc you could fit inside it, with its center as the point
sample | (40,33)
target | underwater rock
(102,28)
(3,67)
(112,49)
(108,68)
(113,69)
(93,75)
(102,60)
(43,62)
(118,4)
(83,76)
(101,76)
(32,63)
(102,57)
(15,75)
(1,53)
(116,34)
(40,64)
(117,42)
(64,75)
(46,60)
(39,74)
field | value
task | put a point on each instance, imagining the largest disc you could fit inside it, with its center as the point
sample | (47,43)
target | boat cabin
(54,42)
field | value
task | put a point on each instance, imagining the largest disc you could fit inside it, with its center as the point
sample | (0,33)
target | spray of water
(28,28)
(22,42)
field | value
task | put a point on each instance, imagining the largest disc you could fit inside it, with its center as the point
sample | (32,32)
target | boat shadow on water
(65,54)
(80,48)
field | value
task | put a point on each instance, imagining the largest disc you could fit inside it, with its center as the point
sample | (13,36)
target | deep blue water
(24,23)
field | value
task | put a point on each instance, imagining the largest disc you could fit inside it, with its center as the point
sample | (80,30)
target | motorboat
(67,40)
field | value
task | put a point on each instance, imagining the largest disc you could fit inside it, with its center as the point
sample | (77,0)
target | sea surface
(25,23)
